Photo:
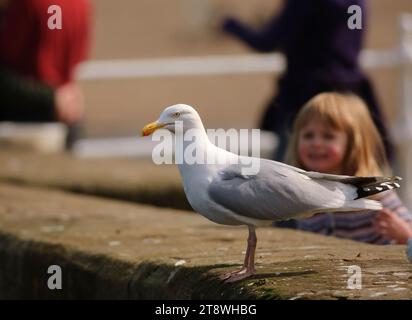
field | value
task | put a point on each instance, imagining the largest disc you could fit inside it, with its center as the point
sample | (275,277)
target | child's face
(322,148)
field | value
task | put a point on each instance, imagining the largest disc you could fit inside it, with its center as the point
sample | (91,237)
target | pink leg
(249,264)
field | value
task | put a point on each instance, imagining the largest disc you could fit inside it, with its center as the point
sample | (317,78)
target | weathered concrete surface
(114,249)
(134,180)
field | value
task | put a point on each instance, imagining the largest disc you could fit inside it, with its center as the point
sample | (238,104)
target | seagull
(224,194)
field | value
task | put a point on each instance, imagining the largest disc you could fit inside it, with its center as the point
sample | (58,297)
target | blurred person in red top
(37,63)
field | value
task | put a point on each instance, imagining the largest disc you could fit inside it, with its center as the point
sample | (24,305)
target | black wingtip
(368,190)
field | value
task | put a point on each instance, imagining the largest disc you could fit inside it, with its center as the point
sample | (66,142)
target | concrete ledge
(135,180)
(114,249)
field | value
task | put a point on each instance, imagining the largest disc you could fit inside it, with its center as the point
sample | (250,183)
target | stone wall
(108,248)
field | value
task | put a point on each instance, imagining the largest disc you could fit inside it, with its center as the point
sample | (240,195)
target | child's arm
(393,227)
(282,29)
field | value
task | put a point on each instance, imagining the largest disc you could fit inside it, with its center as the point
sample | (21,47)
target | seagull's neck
(197,136)
(195,143)
(199,153)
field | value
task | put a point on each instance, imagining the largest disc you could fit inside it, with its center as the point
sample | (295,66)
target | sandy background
(130,29)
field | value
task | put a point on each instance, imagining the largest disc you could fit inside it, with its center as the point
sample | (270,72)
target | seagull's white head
(168,118)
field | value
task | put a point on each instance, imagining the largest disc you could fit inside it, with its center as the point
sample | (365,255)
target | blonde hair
(365,153)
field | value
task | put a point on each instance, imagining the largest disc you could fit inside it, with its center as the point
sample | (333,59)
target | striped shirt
(356,225)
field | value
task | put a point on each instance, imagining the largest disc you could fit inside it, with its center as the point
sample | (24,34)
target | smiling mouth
(318,156)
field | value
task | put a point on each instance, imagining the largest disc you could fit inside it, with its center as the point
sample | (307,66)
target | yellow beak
(151,127)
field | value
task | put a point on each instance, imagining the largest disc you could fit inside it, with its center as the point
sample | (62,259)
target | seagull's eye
(176,114)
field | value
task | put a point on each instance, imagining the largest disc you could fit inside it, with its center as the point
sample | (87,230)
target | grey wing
(326,176)
(353,180)
(277,192)
(322,177)
(310,174)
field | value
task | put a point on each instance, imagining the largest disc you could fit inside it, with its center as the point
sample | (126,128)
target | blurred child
(334,133)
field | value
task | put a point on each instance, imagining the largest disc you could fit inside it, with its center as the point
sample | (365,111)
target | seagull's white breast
(196,183)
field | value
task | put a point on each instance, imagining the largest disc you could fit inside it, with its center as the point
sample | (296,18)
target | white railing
(212,65)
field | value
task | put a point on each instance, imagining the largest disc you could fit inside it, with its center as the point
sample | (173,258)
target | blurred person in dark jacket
(37,63)
(322,55)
